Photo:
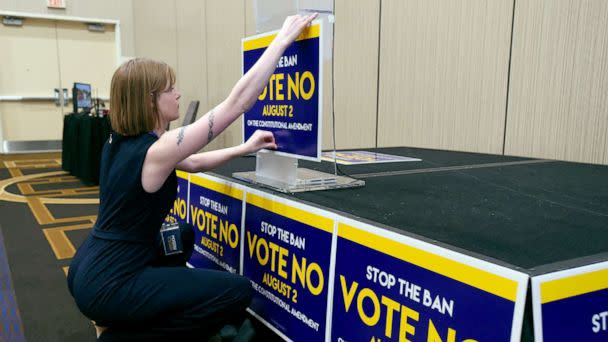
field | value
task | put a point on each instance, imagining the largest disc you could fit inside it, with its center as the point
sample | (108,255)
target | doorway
(40,60)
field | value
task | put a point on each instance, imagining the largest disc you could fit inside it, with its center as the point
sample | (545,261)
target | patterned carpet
(44,215)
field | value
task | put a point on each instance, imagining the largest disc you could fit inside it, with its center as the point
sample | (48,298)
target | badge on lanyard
(171,237)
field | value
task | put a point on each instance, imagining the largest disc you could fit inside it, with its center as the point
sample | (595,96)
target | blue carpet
(11,328)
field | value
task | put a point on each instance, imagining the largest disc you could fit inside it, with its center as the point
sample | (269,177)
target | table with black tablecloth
(83,139)
(534,216)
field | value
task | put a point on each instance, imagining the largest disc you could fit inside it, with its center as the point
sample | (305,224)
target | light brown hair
(135,85)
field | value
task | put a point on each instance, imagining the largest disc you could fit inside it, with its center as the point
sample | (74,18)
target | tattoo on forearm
(210,134)
(180,135)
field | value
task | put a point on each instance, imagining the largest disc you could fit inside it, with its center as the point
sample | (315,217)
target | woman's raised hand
(293,27)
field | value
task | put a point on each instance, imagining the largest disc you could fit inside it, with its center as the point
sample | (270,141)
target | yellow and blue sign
(216,208)
(571,305)
(401,289)
(287,258)
(318,276)
(290,105)
(179,212)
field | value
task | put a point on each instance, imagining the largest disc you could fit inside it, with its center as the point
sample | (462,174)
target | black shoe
(246,332)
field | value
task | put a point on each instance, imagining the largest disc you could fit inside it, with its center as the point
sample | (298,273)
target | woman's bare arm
(206,161)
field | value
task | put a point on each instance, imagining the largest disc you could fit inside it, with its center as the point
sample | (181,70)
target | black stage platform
(528,213)
(535,216)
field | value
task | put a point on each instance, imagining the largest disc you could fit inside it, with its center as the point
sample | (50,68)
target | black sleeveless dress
(116,278)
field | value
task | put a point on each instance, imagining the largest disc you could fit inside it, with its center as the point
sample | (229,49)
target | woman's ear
(152,101)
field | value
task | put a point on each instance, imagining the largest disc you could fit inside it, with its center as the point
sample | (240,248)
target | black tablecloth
(524,212)
(83,139)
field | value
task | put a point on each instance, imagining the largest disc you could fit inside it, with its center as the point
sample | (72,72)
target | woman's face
(167,103)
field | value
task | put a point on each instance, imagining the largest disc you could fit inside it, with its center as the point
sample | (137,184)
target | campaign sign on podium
(389,287)
(290,105)
(216,208)
(571,305)
(286,256)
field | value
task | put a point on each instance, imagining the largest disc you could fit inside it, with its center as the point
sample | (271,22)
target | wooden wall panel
(443,73)
(558,103)
(155,30)
(201,40)
(191,56)
(225,26)
(249,17)
(326,99)
(356,74)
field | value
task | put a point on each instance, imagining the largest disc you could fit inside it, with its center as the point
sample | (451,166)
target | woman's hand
(259,140)
(293,27)
(205,161)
